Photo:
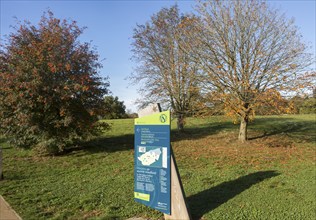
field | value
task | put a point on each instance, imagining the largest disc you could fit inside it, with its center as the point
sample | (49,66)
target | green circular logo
(163,118)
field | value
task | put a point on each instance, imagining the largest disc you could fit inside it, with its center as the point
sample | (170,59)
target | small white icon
(142,149)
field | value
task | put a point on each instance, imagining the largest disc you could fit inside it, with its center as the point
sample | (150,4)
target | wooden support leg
(179,208)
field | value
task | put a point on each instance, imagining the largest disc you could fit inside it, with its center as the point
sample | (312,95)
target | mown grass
(272,176)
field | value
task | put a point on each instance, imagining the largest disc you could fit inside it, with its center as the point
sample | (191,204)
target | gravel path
(6,212)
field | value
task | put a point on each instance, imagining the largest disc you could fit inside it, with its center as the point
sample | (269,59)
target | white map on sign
(150,157)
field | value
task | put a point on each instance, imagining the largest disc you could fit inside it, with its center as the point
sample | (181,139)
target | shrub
(114,108)
(308,106)
(50,92)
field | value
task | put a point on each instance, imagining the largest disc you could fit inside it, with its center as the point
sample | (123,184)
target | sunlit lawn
(272,176)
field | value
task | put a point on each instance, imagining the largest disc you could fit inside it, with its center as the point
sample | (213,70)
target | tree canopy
(165,66)
(239,55)
(251,56)
(50,90)
(114,108)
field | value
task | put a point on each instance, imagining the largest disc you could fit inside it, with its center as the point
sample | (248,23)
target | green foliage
(115,109)
(297,103)
(308,106)
(132,115)
(304,105)
(50,91)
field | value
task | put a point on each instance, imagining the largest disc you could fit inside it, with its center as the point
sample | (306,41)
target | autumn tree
(308,106)
(114,108)
(166,71)
(251,56)
(50,90)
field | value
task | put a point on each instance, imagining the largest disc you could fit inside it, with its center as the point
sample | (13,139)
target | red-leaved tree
(50,90)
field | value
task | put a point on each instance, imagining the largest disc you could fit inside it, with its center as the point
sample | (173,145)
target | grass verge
(272,176)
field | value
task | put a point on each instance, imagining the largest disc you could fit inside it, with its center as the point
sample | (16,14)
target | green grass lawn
(272,176)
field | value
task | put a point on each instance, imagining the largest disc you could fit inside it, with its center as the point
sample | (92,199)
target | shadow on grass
(192,133)
(3,140)
(208,200)
(304,130)
(4,148)
(126,142)
(111,144)
(104,144)
(300,129)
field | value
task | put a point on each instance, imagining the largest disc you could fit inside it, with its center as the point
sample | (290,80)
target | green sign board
(152,161)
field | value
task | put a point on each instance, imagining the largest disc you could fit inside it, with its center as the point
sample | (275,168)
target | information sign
(152,161)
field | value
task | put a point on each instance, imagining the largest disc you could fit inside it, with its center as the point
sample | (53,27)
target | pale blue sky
(110,28)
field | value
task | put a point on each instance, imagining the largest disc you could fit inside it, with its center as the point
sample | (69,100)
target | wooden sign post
(179,208)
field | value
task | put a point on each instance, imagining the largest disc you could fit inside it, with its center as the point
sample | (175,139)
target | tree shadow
(103,144)
(126,142)
(192,133)
(111,144)
(14,176)
(4,148)
(304,130)
(3,140)
(267,126)
(208,200)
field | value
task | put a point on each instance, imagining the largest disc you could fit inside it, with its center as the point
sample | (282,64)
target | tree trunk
(243,129)
(180,122)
